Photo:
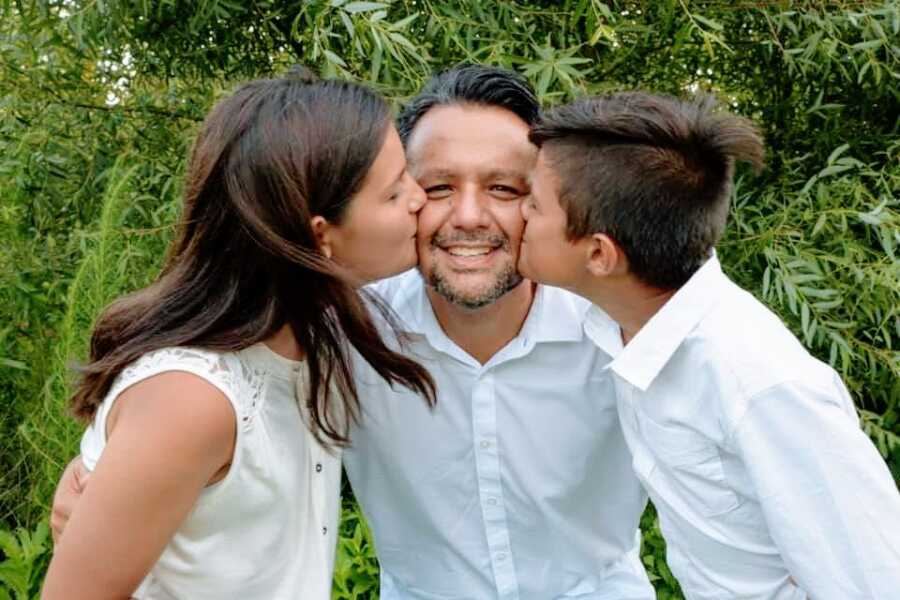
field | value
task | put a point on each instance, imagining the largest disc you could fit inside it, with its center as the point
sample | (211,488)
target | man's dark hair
(651,171)
(471,84)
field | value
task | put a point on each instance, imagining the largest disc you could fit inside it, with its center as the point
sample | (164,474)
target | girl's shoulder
(222,370)
(239,375)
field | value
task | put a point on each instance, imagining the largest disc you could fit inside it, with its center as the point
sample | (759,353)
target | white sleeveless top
(268,529)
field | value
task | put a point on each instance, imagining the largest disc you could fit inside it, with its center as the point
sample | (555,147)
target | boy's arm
(830,502)
(173,433)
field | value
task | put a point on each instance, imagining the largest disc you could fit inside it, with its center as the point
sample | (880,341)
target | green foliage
(112,264)
(98,100)
(356,566)
(25,556)
(653,553)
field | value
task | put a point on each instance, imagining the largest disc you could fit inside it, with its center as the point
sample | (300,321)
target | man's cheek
(430,218)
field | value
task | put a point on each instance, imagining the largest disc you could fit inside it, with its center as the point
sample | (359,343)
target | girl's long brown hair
(246,262)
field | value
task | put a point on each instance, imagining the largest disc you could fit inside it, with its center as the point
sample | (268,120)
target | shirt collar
(642,359)
(555,315)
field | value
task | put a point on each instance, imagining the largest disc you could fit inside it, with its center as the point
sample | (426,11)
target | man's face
(474,164)
(547,255)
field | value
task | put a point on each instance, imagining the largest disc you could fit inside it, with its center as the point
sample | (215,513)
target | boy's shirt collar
(644,357)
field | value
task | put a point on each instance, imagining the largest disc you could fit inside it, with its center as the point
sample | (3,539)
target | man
(519,483)
(750,448)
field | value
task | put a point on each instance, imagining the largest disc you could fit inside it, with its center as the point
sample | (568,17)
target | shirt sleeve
(831,504)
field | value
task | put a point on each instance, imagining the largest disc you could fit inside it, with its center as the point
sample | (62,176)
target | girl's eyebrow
(400,174)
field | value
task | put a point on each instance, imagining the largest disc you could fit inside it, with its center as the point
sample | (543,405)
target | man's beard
(507,279)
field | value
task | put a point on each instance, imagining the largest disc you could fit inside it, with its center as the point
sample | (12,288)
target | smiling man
(519,484)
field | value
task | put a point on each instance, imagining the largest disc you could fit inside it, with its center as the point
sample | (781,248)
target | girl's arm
(170,435)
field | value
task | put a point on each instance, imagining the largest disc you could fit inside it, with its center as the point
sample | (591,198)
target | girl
(219,394)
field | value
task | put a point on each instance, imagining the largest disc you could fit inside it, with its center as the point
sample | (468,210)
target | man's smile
(465,255)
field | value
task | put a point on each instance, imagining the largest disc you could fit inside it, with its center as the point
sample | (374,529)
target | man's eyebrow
(435,174)
(506,174)
(488,175)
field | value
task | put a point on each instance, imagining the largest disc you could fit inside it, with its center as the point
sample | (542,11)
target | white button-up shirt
(518,484)
(752,453)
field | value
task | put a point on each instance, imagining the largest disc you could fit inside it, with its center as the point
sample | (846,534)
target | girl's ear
(322,228)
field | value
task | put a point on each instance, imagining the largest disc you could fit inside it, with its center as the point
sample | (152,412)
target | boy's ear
(605,256)
(322,229)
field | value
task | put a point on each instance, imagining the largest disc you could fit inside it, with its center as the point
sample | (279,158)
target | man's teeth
(469,251)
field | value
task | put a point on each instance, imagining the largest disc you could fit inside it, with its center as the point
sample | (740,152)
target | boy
(749,447)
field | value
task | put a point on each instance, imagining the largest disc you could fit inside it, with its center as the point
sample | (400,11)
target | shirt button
(324,531)
(501,556)
(492,501)
(318,467)
(485,444)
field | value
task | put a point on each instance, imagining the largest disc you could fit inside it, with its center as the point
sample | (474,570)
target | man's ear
(605,256)
(322,229)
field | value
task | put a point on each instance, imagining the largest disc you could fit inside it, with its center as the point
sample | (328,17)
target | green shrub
(97,101)
(24,559)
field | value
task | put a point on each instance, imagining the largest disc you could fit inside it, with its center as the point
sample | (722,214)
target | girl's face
(377,235)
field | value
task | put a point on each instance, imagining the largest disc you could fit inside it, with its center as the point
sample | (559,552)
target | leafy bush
(98,100)
(24,559)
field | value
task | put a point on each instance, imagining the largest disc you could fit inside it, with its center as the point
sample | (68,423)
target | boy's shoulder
(747,349)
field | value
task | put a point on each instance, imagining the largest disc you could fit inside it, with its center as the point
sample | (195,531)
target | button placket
(487,463)
(318,483)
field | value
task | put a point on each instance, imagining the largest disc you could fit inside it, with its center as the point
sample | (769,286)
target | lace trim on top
(242,383)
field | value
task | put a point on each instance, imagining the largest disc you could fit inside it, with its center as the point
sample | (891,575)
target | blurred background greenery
(99,100)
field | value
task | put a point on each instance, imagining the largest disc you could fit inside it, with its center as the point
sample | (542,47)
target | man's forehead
(462,125)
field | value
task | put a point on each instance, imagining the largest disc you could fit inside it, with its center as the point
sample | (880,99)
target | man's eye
(438,191)
(505,190)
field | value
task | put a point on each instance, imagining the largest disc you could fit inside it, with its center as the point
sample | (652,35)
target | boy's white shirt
(752,453)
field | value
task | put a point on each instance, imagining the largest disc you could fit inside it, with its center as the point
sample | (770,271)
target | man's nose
(469,210)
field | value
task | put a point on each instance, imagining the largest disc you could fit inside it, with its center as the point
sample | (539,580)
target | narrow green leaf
(868,45)
(834,170)
(334,58)
(708,22)
(13,364)
(404,22)
(837,152)
(361,7)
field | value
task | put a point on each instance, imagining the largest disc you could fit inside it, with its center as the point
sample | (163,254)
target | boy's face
(547,255)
